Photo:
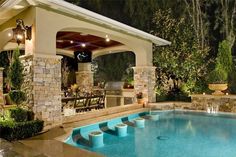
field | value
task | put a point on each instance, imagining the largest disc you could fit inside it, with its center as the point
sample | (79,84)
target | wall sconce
(21,31)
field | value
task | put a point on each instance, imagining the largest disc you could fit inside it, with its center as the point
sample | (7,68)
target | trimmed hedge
(10,130)
(21,115)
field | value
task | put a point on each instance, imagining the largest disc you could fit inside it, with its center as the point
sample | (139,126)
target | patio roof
(10,8)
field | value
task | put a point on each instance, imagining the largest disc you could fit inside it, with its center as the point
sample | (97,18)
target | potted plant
(218,81)
(218,78)
(139,97)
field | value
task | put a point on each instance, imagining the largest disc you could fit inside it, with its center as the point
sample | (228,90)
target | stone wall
(145,81)
(224,103)
(84,77)
(170,105)
(43,87)
(1,88)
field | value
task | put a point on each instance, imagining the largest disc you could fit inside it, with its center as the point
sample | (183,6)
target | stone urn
(218,88)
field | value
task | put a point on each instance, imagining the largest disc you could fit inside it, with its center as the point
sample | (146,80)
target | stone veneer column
(84,77)
(42,84)
(1,88)
(145,81)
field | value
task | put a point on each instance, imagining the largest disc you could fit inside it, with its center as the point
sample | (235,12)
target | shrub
(17,96)
(10,130)
(223,65)
(19,114)
(224,56)
(218,75)
(30,115)
(16,71)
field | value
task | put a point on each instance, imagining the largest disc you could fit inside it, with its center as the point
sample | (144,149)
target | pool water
(175,134)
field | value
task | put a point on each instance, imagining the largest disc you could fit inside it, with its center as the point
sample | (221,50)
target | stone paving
(17,149)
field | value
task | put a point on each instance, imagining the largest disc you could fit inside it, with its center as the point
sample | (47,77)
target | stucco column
(84,77)
(1,88)
(42,84)
(145,81)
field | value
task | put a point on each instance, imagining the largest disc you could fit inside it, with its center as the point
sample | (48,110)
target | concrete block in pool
(153,116)
(139,122)
(121,130)
(96,139)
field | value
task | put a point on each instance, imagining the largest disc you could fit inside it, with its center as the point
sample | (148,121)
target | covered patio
(60,28)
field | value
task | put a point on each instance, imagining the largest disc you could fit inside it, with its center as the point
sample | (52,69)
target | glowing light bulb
(107,38)
(71,41)
(83,45)
(9,34)
(20,37)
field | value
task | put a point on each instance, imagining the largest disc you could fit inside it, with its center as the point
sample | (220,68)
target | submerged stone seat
(121,130)
(140,122)
(96,139)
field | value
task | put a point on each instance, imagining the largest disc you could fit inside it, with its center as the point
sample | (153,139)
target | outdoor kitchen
(113,94)
(117,95)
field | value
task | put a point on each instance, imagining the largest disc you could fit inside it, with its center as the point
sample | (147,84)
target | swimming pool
(175,134)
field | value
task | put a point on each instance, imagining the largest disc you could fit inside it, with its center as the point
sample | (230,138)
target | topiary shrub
(30,115)
(223,64)
(16,71)
(17,96)
(18,114)
(16,79)
(217,76)
(19,130)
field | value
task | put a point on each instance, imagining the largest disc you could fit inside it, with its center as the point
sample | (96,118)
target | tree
(197,11)
(110,69)
(16,71)
(16,79)
(183,61)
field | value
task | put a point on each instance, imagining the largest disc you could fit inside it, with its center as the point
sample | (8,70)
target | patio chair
(81,102)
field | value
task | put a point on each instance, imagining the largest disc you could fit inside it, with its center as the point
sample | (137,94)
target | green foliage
(223,65)
(19,130)
(109,69)
(224,56)
(218,75)
(16,71)
(18,114)
(183,61)
(172,96)
(232,80)
(17,96)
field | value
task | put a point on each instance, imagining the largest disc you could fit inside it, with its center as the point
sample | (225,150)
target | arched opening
(102,67)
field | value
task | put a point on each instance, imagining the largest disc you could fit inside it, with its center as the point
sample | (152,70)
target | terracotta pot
(140,101)
(218,88)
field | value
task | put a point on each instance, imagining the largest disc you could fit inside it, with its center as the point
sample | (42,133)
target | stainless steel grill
(116,95)
(114,88)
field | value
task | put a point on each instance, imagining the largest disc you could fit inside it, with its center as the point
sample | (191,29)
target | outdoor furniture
(85,101)
(96,102)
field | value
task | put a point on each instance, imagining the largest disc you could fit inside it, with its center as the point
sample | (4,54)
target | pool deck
(50,143)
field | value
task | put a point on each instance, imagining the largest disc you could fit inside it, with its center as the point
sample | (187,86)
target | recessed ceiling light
(83,45)
(71,41)
(18,7)
(60,41)
(107,39)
